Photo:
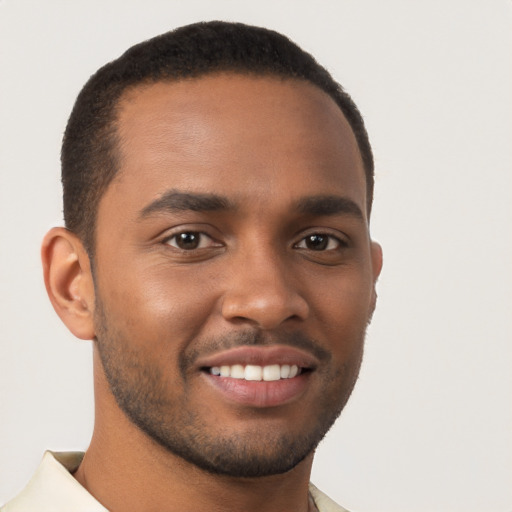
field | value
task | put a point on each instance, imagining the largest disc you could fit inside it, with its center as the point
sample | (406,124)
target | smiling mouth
(251,372)
(259,376)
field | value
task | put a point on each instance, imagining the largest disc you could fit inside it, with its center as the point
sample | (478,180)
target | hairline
(113,124)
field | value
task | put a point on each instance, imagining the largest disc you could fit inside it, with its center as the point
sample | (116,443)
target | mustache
(296,339)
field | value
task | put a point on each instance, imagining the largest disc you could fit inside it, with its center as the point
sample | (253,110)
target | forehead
(236,135)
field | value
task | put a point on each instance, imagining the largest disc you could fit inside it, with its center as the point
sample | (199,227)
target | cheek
(160,303)
(343,300)
(342,312)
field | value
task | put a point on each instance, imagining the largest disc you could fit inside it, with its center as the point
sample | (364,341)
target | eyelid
(331,239)
(302,244)
(171,234)
(341,238)
(169,240)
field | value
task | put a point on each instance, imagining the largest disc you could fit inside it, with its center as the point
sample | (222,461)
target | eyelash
(199,234)
(321,238)
(324,241)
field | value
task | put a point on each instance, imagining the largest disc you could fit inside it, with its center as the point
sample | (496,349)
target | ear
(376,256)
(68,280)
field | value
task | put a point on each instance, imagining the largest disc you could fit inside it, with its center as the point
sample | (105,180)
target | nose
(263,291)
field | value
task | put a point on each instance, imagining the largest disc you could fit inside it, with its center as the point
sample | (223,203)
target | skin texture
(249,256)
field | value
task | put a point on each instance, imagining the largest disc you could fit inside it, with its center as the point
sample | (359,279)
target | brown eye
(316,242)
(319,242)
(190,240)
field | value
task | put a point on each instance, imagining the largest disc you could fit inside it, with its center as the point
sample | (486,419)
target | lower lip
(259,393)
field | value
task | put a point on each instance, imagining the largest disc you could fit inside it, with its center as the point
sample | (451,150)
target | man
(217,192)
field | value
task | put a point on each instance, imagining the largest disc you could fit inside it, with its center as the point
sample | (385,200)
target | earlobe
(68,281)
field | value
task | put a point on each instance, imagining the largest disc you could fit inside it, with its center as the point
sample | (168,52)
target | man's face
(234,240)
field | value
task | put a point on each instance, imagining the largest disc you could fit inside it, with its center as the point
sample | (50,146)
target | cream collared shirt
(53,489)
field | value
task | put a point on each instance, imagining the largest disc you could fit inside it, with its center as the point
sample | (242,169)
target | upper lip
(261,356)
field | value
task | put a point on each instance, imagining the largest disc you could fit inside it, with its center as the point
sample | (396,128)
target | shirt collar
(53,488)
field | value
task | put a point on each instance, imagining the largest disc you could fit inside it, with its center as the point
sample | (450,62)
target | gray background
(429,425)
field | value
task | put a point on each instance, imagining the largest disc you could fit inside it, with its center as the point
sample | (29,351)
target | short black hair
(90,146)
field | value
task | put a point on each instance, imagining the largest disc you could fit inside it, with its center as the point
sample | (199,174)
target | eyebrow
(329,205)
(174,201)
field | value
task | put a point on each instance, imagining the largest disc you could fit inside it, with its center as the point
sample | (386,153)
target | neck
(125,470)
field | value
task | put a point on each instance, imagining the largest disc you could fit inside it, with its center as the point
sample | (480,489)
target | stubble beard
(140,390)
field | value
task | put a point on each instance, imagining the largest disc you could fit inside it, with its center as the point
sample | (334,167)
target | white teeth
(253,372)
(237,371)
(256,373)
(272,372)
(285,371)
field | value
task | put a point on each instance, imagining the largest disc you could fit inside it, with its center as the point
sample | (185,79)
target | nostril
(264,310)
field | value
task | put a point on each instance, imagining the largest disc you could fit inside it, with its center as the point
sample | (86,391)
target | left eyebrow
(176,201)
(329,205)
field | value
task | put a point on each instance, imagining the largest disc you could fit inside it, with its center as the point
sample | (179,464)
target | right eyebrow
(330,205)
(175,201)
